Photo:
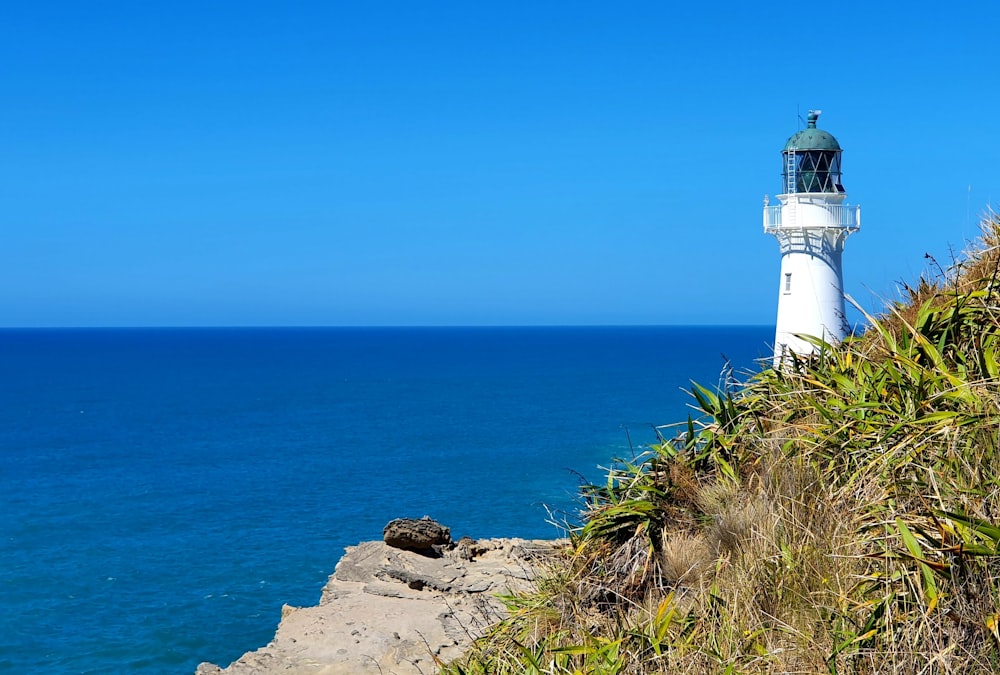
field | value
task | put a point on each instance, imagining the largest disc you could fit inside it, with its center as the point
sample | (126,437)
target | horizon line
(385,326)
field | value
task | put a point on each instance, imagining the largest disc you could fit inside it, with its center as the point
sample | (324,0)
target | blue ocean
(164,491)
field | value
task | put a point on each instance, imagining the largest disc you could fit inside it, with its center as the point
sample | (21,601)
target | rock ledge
(389,610)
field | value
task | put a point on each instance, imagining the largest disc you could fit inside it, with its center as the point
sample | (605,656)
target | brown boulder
(412,534)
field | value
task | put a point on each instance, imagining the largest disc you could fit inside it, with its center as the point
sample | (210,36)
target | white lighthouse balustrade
(847,216)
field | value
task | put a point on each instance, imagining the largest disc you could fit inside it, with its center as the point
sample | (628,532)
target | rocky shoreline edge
(401,608)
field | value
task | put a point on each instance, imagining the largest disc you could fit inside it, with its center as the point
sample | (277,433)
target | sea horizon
(386,325)
(167,489)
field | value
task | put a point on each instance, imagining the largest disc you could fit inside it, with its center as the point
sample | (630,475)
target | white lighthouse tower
(811,224)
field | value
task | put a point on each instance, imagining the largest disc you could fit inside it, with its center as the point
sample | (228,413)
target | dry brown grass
(838,518)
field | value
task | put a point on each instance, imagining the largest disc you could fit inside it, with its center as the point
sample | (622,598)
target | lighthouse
(811,223)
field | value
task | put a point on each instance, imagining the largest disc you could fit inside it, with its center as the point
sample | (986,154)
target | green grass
(841,515)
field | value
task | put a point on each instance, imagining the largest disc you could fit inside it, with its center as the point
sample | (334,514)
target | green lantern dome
(811,161)
(812,138)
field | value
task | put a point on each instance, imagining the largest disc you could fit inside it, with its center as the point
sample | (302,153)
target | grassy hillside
(839,516)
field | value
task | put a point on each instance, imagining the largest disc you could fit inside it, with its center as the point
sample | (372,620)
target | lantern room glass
(815,171)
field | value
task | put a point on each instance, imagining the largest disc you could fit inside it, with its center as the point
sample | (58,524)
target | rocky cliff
(392,610)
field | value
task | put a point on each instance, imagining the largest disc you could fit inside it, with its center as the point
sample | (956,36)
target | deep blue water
(164,491)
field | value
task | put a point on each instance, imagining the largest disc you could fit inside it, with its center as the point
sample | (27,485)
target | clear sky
(407,163)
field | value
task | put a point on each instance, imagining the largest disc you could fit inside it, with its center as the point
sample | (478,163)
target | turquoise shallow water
(164,491)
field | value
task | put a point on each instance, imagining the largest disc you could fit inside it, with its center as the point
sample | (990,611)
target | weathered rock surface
(390,610)
(416,535)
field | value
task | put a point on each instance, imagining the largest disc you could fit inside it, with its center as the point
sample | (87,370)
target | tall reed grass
(840,515)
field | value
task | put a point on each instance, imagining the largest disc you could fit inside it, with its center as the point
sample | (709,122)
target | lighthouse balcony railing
(845,216)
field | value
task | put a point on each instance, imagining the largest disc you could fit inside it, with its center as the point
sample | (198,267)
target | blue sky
(400,163)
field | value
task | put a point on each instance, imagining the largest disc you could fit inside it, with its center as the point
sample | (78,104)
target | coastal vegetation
(838,515)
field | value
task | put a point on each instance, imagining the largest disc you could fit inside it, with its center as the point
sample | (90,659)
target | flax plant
(839,515)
